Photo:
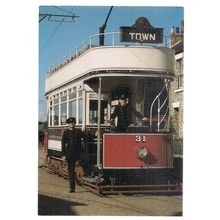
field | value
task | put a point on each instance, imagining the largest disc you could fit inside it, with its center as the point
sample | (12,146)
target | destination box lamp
(142,31)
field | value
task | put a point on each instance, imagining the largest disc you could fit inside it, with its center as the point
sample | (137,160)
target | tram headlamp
(142,152)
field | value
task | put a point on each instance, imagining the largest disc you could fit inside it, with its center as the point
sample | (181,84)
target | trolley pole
(102,29)
(99,121)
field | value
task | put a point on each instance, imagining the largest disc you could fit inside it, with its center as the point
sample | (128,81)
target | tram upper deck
(111,60)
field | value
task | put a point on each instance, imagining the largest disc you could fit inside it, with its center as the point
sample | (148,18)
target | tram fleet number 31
(140,139)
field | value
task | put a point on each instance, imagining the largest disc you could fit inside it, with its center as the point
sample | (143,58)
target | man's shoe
(72,190)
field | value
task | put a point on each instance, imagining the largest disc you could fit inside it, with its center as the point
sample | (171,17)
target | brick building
(177,43)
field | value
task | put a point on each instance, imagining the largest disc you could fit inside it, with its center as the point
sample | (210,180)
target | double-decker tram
(86,85)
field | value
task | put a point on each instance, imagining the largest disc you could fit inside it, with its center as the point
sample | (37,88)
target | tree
(42,128)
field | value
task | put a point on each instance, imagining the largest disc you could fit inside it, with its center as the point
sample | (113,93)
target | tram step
(89,179)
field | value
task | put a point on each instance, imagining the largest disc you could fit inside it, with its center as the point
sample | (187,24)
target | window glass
(180,81)
(63,98)
(179,66)
(93,112)
(80,111)
(72,108)
(56,114)
(72,95)
(51,116)
(80,93)
(63,113)
(56,101)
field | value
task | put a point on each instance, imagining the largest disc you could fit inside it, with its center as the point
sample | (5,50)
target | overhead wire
(54,30)
(51,36)
(70,12)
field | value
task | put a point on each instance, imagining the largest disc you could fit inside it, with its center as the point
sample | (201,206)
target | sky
(57,39)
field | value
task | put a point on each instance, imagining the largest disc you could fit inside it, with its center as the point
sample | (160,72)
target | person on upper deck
(123,111)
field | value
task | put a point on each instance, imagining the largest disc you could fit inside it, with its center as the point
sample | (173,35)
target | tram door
(92,121)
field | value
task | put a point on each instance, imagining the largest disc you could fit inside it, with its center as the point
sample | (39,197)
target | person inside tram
(123,111)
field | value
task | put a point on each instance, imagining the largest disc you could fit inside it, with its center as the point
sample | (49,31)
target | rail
(159,107)
(113,39)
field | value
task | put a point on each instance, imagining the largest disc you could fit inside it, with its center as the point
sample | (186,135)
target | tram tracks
(119,204)
(111,205)
(144,205)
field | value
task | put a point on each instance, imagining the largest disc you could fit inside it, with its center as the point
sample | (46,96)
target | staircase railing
(160,107)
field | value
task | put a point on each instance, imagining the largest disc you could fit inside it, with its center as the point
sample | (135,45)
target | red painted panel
(136,150)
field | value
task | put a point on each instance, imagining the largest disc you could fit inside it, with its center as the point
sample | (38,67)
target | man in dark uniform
(123,111)
(72,149)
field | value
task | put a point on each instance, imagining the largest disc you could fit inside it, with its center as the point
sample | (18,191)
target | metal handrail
(85,45)
(157,98)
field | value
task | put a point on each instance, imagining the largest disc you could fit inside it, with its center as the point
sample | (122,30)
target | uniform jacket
(124,114)
(71,144)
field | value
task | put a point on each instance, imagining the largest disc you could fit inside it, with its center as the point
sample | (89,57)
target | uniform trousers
(71,173)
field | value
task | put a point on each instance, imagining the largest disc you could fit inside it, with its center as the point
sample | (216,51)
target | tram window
(63,98)
(80,93)
(72,108)
(56,115)
(63,113)
(56,101)
(63,110)
(93,112)
(50,116)
(80,111)
(72,95)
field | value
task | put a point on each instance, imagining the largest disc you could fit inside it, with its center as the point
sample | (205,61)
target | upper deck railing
(111,39)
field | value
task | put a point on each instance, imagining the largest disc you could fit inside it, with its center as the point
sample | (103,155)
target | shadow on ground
(178,214)
(54,206)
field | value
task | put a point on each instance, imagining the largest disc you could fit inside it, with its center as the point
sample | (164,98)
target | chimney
(172,30)
(177,30)
(182,26)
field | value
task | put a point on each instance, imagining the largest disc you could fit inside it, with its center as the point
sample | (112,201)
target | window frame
(179,70)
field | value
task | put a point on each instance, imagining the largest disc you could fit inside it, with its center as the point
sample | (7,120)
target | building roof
(178,47)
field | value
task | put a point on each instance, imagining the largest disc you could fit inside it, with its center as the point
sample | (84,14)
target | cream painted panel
(54,145)
(134,58)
